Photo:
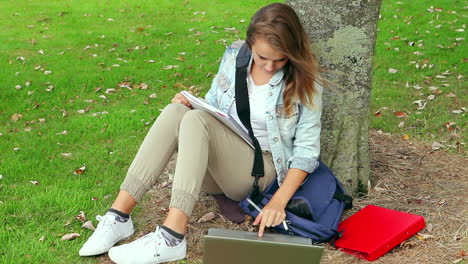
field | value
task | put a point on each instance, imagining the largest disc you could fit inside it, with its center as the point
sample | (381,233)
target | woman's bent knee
(176,109)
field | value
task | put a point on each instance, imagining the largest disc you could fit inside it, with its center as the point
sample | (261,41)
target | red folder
(373,231)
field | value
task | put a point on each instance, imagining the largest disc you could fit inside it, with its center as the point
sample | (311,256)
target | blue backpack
(316,208)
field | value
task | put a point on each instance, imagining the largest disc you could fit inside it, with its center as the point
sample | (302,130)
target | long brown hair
(279,25)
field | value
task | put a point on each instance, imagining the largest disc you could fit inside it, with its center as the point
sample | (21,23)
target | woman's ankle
(177,220)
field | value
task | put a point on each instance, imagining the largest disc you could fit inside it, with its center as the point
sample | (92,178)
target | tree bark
(343,34)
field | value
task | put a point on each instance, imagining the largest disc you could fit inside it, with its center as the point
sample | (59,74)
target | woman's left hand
(272,214)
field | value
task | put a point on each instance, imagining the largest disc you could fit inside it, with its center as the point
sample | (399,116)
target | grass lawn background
(114,64)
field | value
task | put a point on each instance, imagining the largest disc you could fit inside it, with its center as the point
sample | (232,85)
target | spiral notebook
(373,231)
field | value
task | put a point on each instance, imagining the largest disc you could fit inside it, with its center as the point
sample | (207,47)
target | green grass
(134,33)
(140,31)
(402,24)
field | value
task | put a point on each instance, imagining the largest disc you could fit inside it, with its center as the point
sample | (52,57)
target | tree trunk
(343,34)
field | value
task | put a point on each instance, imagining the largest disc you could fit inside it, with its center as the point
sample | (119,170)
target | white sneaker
(108,232)
(149,249)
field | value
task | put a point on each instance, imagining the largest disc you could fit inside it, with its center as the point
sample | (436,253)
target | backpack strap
(348,200)
(243,111)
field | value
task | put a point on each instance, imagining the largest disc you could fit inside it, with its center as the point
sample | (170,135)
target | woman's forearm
(291,183)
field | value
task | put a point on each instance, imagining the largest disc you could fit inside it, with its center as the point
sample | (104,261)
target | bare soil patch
(408,176)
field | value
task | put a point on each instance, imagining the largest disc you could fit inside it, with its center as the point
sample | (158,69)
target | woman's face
(266,58)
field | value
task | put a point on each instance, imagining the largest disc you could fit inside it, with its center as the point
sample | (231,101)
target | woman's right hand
(180,99)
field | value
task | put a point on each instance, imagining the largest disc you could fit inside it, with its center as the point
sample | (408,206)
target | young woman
(285,109)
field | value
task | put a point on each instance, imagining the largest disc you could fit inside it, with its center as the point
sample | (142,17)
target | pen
(260,210)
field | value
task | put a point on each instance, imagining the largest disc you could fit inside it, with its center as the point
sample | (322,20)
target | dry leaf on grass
(80,170)
(436,145)
(88,225)
(400,114)
(34,182)
(422,236)
(70,236)
(81,216)
(207,217)
(429,227)
(15,117)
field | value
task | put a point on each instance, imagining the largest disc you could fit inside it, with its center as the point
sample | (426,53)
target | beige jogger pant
(210,157)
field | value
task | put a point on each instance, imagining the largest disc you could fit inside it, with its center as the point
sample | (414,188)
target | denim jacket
(294,138)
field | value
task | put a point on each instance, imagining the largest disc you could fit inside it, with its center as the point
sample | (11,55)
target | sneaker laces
(104,226)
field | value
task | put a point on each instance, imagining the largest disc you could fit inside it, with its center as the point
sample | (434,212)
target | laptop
(223,246)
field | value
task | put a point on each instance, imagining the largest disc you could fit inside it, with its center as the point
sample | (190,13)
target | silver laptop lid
(223,246)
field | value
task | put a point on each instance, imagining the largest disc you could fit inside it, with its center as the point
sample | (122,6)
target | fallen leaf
(400,114)
(66,154)
(47,72)
(80,170)
(18,87)
(153,96)
(42,120)
(450,125)
(16,149)
(169,67)
(457,111)
(401,124)
(450,95)
(81,217)
(391,70)
(88,225)
(42,238)
(34,182)
(207,217)
(436,145)
(421,104)
(67,223)
(421,236)
(378,113)
(70,236)
(65,132)
(15,117)
(431,97)
(405,137)
(429,227)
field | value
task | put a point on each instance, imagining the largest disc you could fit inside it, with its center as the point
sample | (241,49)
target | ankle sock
(119,216)
(171,237)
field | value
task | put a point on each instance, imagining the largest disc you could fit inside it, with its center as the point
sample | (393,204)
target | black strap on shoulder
(243,111)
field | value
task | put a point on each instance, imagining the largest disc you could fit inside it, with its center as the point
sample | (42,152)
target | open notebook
(225,118)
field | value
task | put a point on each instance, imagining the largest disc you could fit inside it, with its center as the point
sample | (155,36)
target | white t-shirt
(257,101)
